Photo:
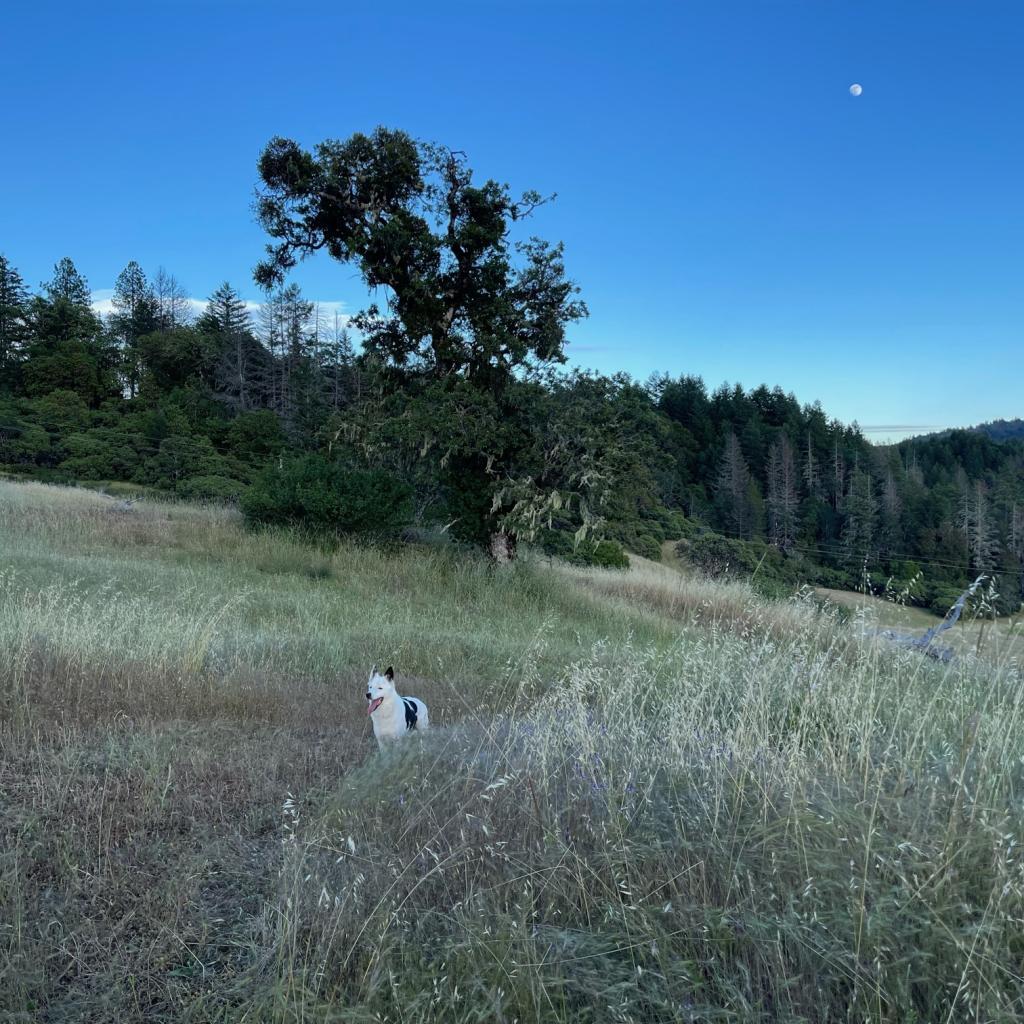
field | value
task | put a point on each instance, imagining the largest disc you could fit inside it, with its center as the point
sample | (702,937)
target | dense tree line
(455,391)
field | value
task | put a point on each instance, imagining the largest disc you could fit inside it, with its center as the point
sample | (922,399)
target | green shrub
(690,528)
(772,573)
(253,435)
(674,523)
(717,556)
(24,443)
(645,544)
(940,597)
(653,527)
(608,555)
(314,494)
(180,457)
(101,455)
(908,569)
(834,579)
(211,488)
(558,544)
(63,412)
(604,554)
(772,587)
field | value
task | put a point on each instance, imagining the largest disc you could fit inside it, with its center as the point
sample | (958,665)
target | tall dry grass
(649,798)
(728,831)
(174,610)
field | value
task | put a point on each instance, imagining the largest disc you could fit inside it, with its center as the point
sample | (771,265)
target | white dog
(392,715)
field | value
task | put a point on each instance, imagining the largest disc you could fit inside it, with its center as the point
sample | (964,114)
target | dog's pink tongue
(374,704)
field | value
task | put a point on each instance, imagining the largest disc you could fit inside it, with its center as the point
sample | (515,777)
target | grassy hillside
(649,798)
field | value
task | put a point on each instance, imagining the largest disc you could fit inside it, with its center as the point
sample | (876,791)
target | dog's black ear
(389,673)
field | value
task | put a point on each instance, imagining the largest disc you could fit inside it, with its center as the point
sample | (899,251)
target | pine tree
(297,321)
(733,490)
(783,503)
(1017,531)
(860,512)
(982,542)
(268,330)
(976,523)
(14,322)
(914,470)
(1016,543)
(838,474)
(964,507)
(286,327)
(69,350)
(226,314)
(241,361)
(342,372)
(811,472)
(892,507)
(68,285)
(135,315)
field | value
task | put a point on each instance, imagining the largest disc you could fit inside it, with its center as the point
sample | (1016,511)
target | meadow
(648,797)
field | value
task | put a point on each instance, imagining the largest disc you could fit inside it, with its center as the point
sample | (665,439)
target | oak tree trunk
(503,548)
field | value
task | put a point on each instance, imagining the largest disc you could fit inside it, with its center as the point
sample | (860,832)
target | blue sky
(727,206)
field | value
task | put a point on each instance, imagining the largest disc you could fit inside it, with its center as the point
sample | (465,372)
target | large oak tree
(466,303)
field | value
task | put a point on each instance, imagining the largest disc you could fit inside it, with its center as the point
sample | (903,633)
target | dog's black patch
(411,713)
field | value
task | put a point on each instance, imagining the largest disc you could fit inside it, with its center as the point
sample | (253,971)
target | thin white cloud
(101,301)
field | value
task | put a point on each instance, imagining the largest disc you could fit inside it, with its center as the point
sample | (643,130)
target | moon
(855,89)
